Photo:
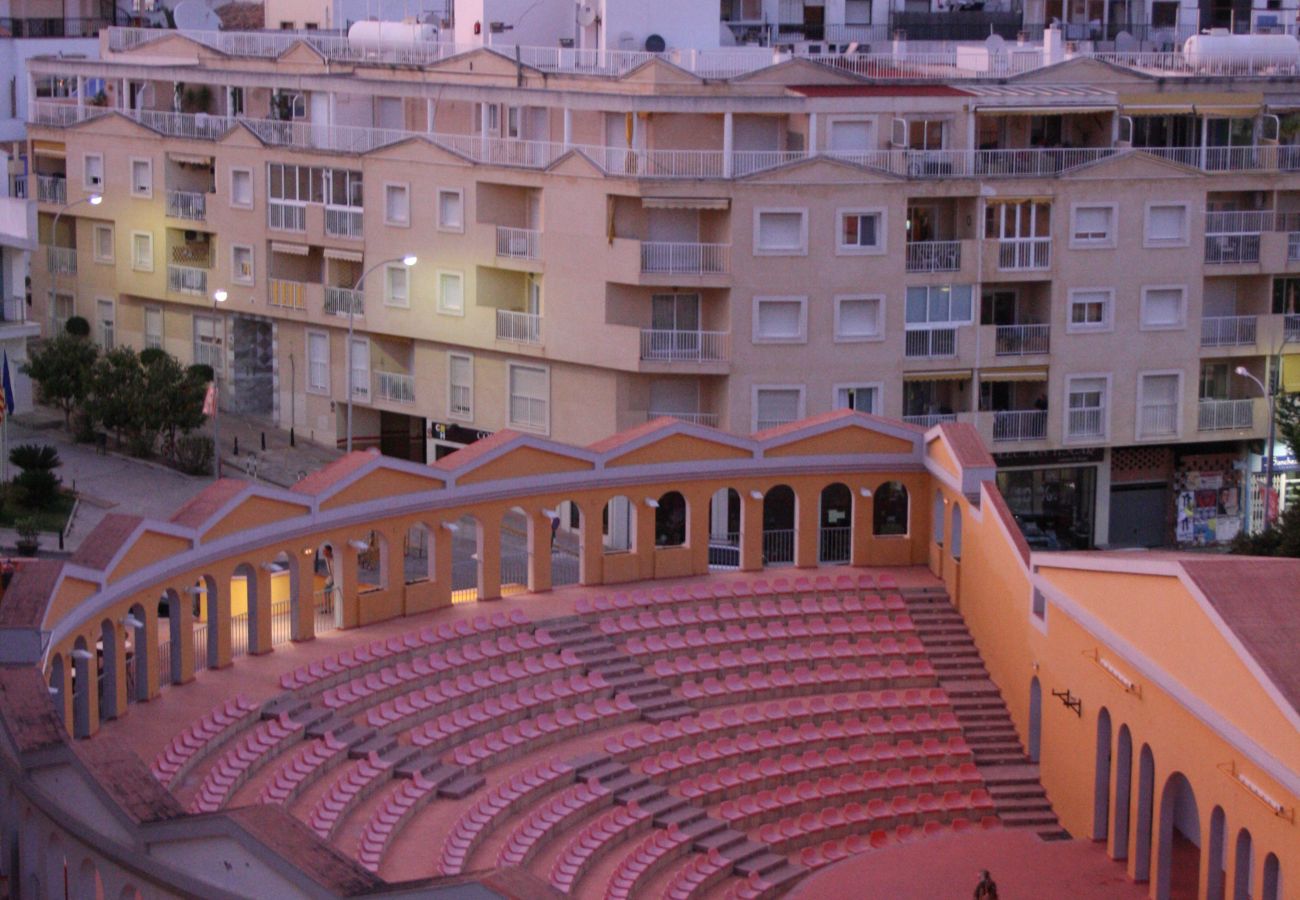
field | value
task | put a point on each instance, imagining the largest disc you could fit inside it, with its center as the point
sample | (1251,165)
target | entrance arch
(140,658)
(109,674)
(835,537)
(1101,779)
(1244,865)
(1217,852)
(1145,807)
(466,560)
(724,529)
(1178,868)
(1123,791)
(779,517)
(567,546)
(1271,889)
(671,520)
(57,682)
(83,671)
(516,535)
(1034,750)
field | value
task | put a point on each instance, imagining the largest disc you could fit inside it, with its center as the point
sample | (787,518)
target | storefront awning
(1291,373)
(190,159)
(291,249)
(353,256)
(685,202)
(1203,104)
(1042,110)
(49,148)
(1014,373)
(939,375)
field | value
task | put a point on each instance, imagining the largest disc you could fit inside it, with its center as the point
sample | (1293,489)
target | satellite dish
(586,14)
(195,15)
(994,44)
(655,44)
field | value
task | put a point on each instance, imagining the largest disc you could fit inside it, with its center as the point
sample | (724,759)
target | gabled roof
(967,448)
(632,435)
(999,506)
(207,502)
(102,545)
(335,473)
(26,711)
(275,829)
(835,415)
(476,451)
(127,780)
(28,595)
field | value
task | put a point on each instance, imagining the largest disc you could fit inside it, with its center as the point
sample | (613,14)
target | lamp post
(93,200)
(408,260)
(1272,432)
(218,296)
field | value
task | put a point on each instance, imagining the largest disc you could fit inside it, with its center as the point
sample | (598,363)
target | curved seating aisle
(201,738)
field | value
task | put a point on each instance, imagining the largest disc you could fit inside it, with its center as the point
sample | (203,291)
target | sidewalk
(114,482)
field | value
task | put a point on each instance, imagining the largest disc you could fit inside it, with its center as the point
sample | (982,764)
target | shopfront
(1053,495)
(445,438)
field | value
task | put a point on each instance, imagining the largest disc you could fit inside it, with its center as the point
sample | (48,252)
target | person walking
(987,889)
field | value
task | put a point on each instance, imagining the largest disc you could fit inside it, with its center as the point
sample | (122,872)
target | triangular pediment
(116,125)
(575,163)
(819,170)
(147,547)
(302,55)
(794,72)
(383,478)
(658,71)
(174,45)
(249,512)
(1082,70)
(523,460)
(240,136)
(418,148)
(1133,164)
(851,438)
(479,62)
(673,446)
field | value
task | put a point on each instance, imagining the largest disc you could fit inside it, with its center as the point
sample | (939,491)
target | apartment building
(1075,251)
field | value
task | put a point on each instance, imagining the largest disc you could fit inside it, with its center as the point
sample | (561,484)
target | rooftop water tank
(1219,45)
(378,34)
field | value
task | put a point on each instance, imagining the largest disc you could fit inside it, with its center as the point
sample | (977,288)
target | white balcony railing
(282,215)
(1156,419)
(1024,254)
(338,299)
(282,293)
(187,205)
(1019,425)
(1228,331)
(670,345)
(187,280)
(343,221)
(62,260)
(18,186)
(1022,340)
(51,189)
(519,243)
(930,342)
(15,310)
(395,387)
(695,418)
(1086,422)
(929,420)
(1234,221)
(1291,328)
(1225,415)
(676,258)
(933,256)
(1293,246)
(519,327)
(1227,249)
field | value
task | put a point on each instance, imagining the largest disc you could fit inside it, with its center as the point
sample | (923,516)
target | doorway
(253,372)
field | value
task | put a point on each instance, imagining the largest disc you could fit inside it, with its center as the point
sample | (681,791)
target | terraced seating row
(513,741)
(474,825)
(755,687)
(235,765)
(527,837)
(309,763)
(799,622)
(836,822)
(648,857)
(201,738)
(406,800)
(758,587)
(362,778)
(699,874)
(594,841)
(773,656)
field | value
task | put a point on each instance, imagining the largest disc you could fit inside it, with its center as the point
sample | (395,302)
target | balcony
(190,205)
(52,189)
(339,301)
(394,387)
(933,256)
(286,216)
(281,293)
(1157,419)
(1292,246)
(694,418)
(61,260)
(343,221)
(1231,249)
(1022,340)
(18,186)
(931,343)
(1024,254)
(187,280)
(519,327)
(930,420)
(1225,415)
(1019,425)
(519,243)
(1229,331)
(1291,328)
(1086,422)
(675,258)
(664,345)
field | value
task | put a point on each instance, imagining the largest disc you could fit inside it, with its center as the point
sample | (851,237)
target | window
(780,232)
(777,405)
(859,318)
(397,204)
(919,134)
(780,319)
(940,305)
(1163,307)
(103,243)
(460,386)
(861,231)
(1090,309)
(889,512)
(318,362)
(142,178)
(862,397)
(104,322)
(142,251)
(153,327)
(397,279)
(207,342)
(241,264)
(1166,225)
(241,188)
(93,171)
(1086,407)
(851,136)
(451,293)
(451,210)
(1092,226)
(61,309)
(1158,394)
(529,400)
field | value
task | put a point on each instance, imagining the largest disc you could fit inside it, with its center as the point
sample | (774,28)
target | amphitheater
(677,663)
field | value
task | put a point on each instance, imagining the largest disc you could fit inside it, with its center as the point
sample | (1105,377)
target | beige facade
(1061,259)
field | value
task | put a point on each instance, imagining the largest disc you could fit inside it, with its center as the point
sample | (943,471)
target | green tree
(37,481)
(1288,421)
(117,398)
(175,399)
(61,368)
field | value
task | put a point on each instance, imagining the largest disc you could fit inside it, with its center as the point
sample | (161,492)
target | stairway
(1011,778)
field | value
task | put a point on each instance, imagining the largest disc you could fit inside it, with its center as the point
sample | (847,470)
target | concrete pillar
(489,561)
(591,556)
(117,666)
(697,528)
(395,564)
(645,534)
(807,536)
(751,531)
(81,91)
(728,135)
(303,626)
(183,644)
(66,690)
(812,134)
(568,128)
(348,568)
(146,649)
(483,127)
(860,554)
(218,603)
(539,552)
(259,611)
(440,547)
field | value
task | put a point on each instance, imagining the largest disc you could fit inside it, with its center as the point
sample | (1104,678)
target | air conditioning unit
(95,180)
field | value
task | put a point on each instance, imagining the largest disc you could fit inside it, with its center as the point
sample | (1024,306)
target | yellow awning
(1207,103)
(938,375)
(685,202)
(353,256)
(291,249)
(1291,373)
(49,148)
(1014,373)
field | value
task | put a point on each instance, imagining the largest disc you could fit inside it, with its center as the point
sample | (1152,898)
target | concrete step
(290,704)
(761,863)
(586,762)
(380,743)
(1010,793)
(461,787)
(744,850)
(681,816)
(1055,834)
(1025,774)
(662,806)
(626,667)
(630,781)
(1000,758)
(631,680)
(603,771)
(702,828)
(312,715)
(564,630)
(783,877)
(1027,820)
(997,739)
(1024,805)
(640,795)
(429,767)
(667,713)
(720,840)
(647,692)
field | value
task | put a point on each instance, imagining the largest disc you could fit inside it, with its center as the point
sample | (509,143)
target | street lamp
(408,260)
(1272,431)
(218,296)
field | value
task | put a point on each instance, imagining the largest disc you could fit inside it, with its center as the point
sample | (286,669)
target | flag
(210,400)
(7,397)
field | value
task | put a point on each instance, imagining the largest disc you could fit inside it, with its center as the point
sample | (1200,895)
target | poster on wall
(1186,516)
(1209,508)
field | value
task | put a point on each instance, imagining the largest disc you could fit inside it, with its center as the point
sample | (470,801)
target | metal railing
(1086,422)
(681,258)
(519,327)
(528,412)
(200,646)
(1022,340)
(1239,221)
(51,189)
(187,280)
(930,342)
(324,612)
(765,424)
(1020,425)
(1225,415)
(462,400)
(395,387)
(519,243)
(164,663)
(53,27)
(187,205)
(1291,328)
(1293,246)
(281,623)
(695,418)
(283,215)
(61,260)
(285,294)
(778,546)
(933,256)
(339,299)
(930,420)
(1020,254)
(1228,331)
(343,221)
(724,550)
(18,186)
(239,635)
(668,345)
(834,544)
(1226,249)
(1156,419)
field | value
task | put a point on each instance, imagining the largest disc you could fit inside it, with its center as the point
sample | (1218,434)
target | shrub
(151,355)
(201,372)
(29,531)
(194,454)
(39,487)
(83,427)
(35,456)
(77,326)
